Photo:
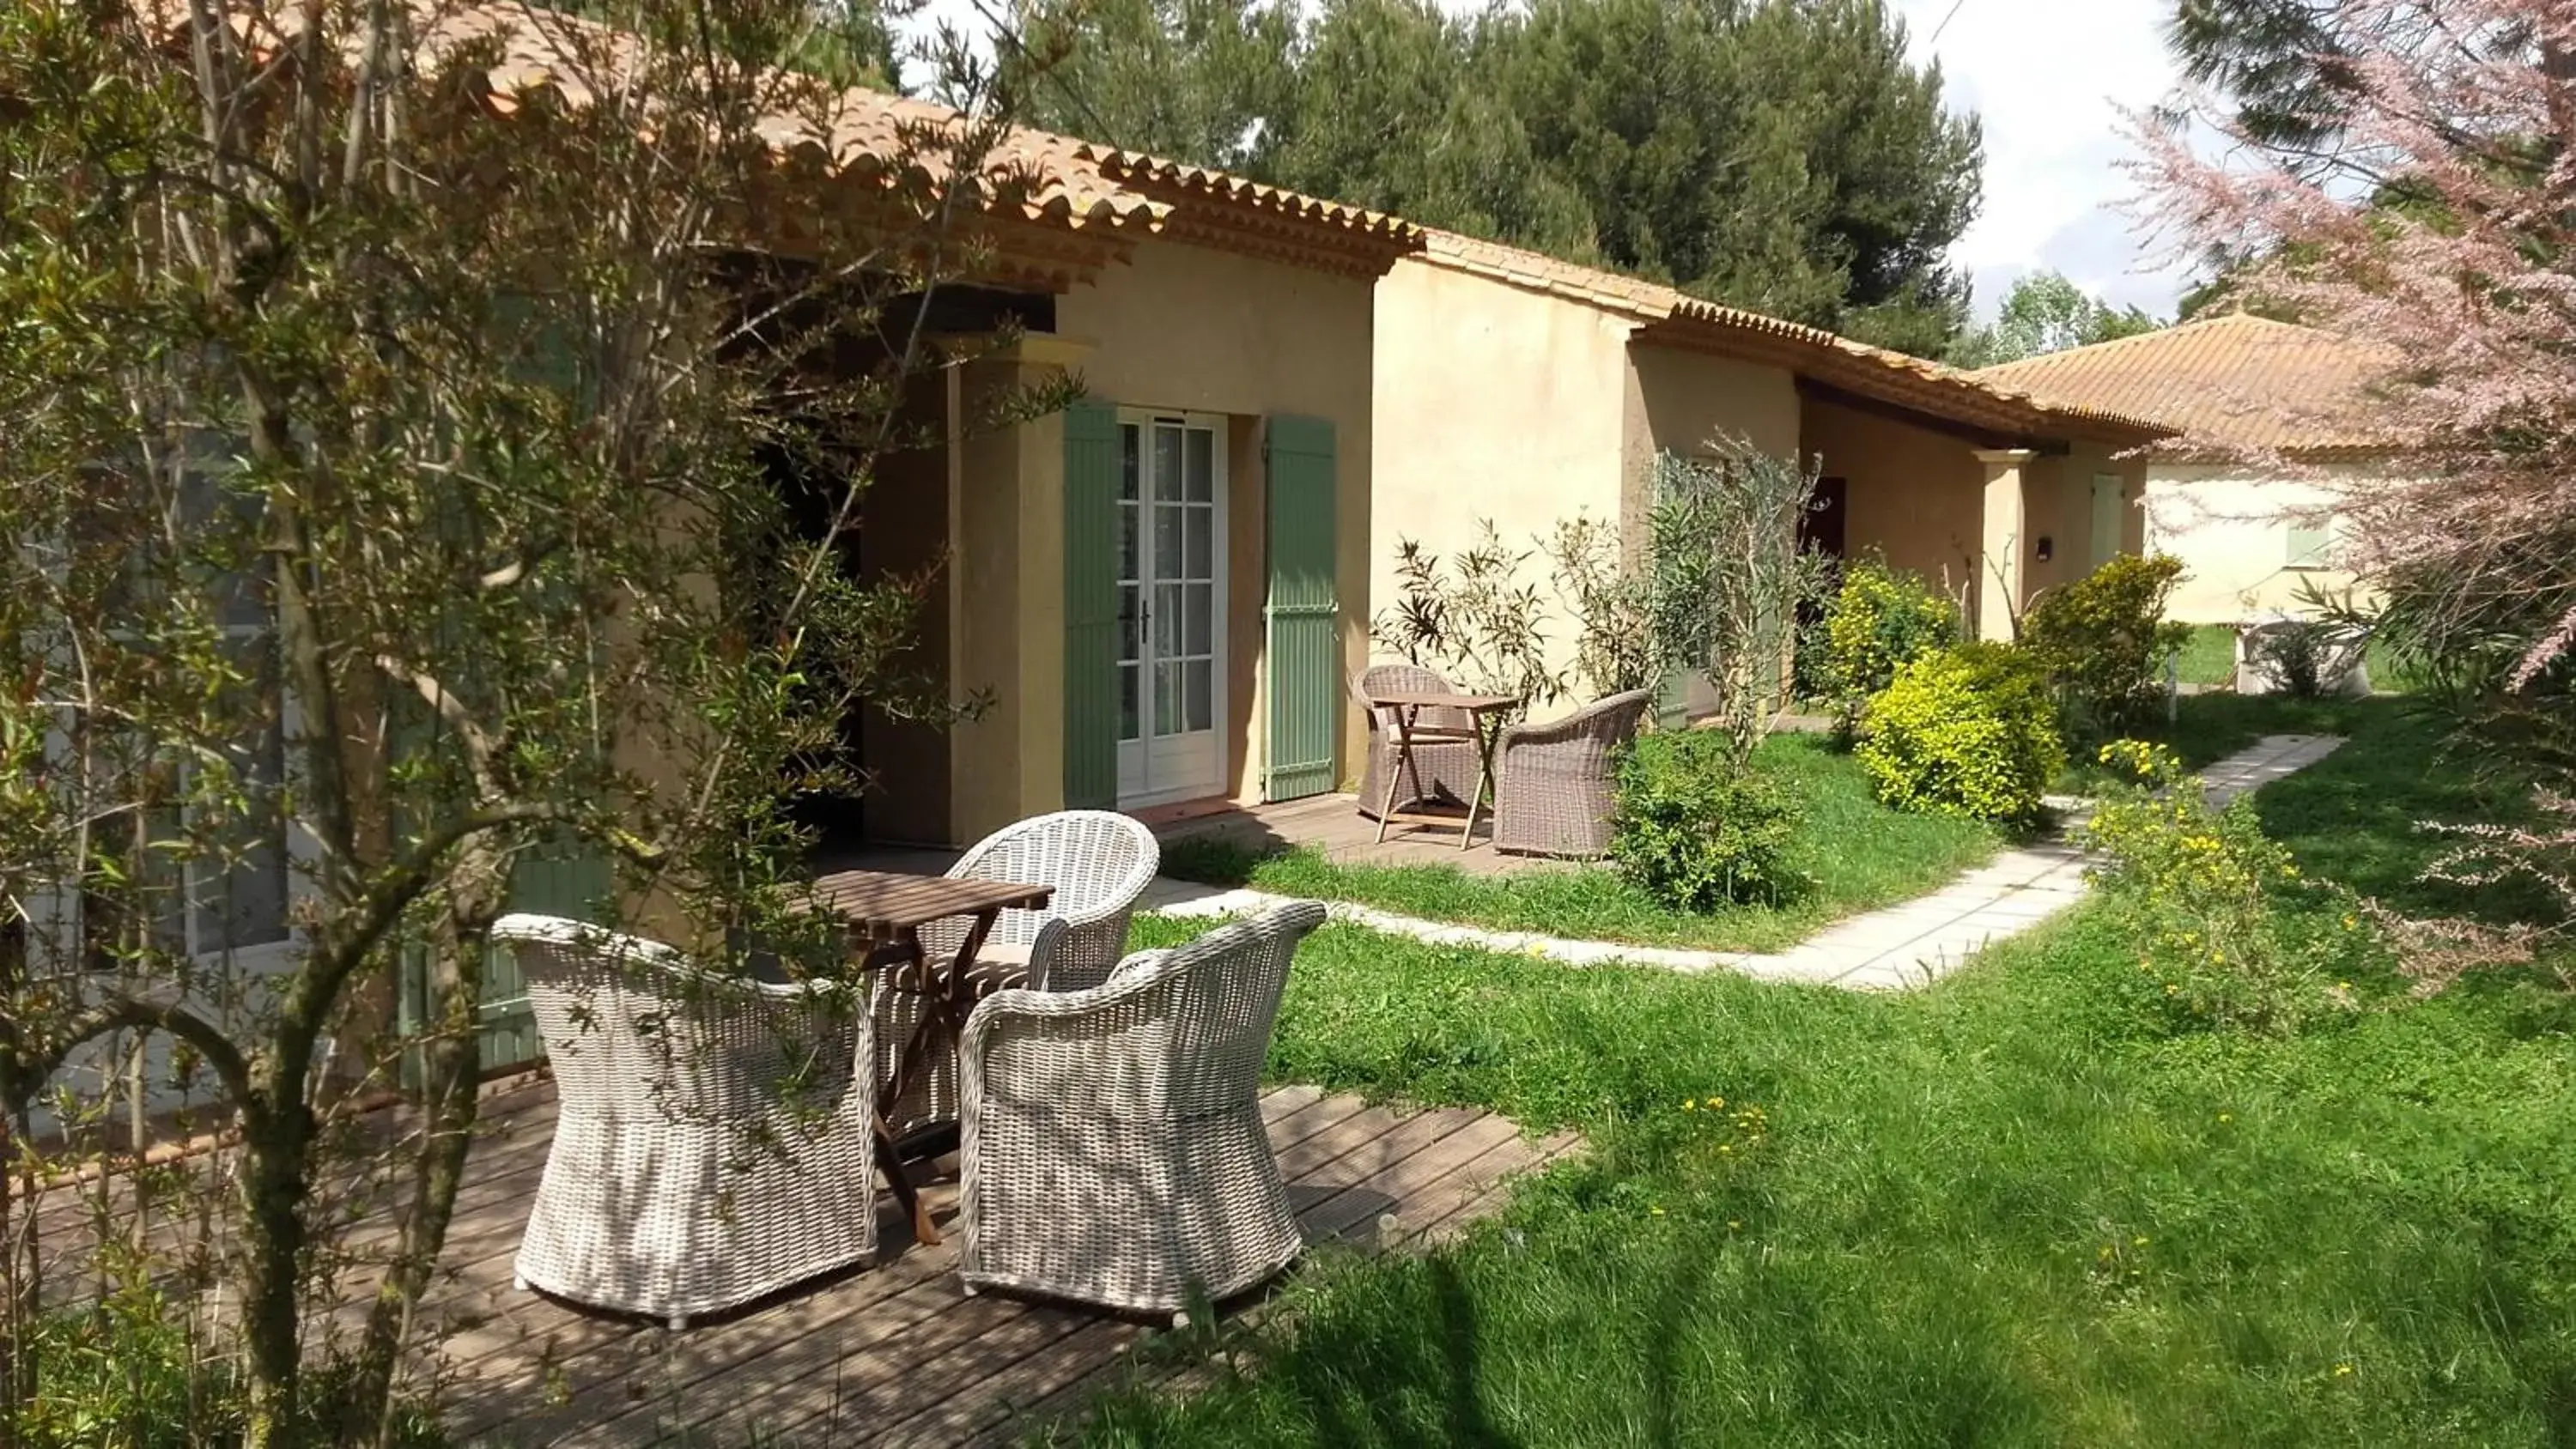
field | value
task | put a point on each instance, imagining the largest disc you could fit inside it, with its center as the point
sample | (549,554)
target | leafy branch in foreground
(399,398)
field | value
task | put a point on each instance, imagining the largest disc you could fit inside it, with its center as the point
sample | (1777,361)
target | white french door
(1171,591)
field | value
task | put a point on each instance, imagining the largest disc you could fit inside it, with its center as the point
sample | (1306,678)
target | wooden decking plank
(1389,1140)
(1353,1133)
(1486,1196)
(898,1350)
(1316,1117)
(1433,1155)
(576,1336)
(883,1380)
(697,1366)
(1428,1205)
(1007,1399)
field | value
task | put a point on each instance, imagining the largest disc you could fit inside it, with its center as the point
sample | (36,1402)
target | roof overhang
(1216,209)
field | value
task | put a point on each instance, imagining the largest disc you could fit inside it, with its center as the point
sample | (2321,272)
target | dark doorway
(1821,531)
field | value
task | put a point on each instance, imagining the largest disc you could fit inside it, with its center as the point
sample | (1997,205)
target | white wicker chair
(1114,1150)
(713,1143)
(1099,863)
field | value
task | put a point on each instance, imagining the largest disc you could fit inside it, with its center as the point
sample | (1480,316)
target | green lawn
(2014,1209)
(2210,657)
(1859,854)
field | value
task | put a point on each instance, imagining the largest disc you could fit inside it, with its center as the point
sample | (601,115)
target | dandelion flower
(2226,1116)
(2343,1370)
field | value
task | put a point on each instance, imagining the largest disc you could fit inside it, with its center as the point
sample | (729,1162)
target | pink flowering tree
(2436,215)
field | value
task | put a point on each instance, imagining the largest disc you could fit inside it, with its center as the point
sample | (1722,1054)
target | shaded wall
(903,534)
(1916,496)
(2057,502)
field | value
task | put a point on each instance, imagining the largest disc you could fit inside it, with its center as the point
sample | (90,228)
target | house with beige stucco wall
(2271,425)
(1160,589)
(1516,389)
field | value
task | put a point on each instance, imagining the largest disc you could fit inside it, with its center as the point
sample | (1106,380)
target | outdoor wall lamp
(2047,546)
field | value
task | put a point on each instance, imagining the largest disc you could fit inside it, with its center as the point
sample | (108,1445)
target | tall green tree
(1780,155)
(2279,64)
(1204,81)
(1402,108)
(2045,312)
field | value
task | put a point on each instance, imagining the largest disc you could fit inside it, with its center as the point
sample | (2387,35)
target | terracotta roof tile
(2231,383)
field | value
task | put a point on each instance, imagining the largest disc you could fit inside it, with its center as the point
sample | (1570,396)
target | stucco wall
(2232,534)
(1680,402)
(1492,403)
(1193,329)
(1916,496)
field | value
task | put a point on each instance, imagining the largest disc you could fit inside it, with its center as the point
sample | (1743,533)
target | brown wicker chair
(1445,769)
(1553,790)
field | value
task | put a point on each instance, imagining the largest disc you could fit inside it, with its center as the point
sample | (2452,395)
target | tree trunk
(448,1101)
(14,1326)
(277,1143)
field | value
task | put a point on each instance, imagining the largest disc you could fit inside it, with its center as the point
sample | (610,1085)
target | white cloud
(2050,79)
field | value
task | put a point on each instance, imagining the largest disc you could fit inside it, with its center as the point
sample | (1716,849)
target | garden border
(1902,946)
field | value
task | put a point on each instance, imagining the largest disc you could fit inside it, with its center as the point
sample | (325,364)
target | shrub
(1879,620)
(2308,658)
(2104,641)
(1471,617)
(1968,730)
(1696,830)
(1726,576)
(2214,902)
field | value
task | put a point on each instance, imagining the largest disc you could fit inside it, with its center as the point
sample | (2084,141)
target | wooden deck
(896,1353)
(1333,825)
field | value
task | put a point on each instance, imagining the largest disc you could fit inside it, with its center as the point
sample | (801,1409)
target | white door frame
(1152,772)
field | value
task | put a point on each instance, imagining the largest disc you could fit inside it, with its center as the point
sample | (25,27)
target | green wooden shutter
(1091,606)
(564,881)
(1304,650)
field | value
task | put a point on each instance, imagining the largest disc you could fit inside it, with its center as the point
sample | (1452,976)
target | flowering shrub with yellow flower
(2229,932)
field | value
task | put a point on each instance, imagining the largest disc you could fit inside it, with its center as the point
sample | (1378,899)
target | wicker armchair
(1099,863)
(1552,787)
(1446,770)
(1114,1148)
(713,1143)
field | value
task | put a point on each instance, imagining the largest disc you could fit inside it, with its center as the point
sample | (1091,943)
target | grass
(2207,728)
(1859,854)
(2014,1209)
(2210,656)
(2209,659)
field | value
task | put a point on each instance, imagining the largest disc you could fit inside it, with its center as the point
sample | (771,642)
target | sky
(2054,138)
(2049,78)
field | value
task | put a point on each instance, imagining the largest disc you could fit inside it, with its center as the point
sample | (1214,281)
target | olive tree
(1727,572)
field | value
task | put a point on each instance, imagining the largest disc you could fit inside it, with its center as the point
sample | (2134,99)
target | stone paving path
(1905,945)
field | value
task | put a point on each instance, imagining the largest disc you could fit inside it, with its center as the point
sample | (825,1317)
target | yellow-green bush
(2104,641)
(2228,932)
(1879,621)
(1969,730)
